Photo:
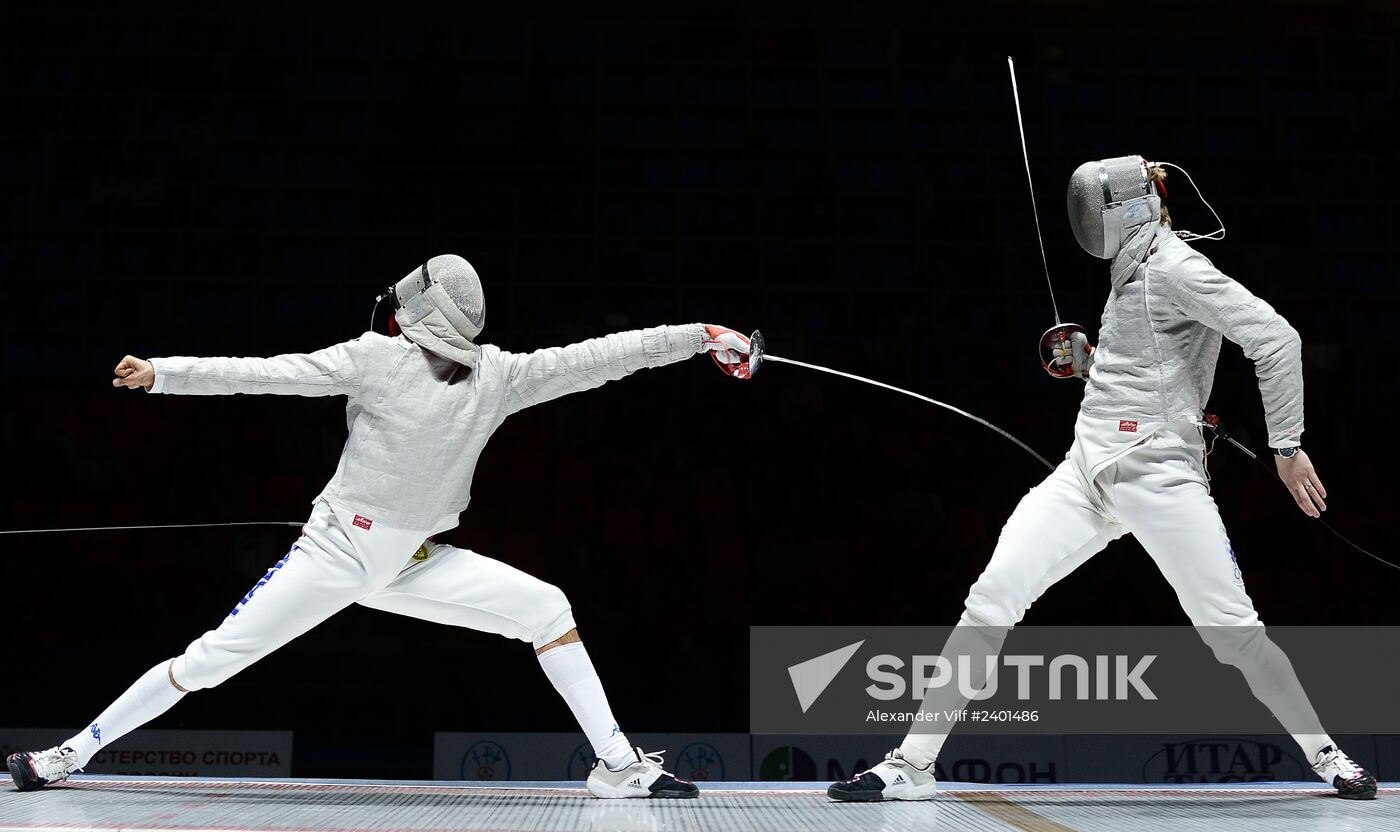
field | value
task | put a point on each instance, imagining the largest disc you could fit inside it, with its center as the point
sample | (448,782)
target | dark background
(852,185)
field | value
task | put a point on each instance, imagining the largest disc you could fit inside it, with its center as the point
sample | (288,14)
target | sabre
(158,526)
(1020,127)
(1060,331)
(758,355)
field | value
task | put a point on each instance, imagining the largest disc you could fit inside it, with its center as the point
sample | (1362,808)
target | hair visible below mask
(1158,176)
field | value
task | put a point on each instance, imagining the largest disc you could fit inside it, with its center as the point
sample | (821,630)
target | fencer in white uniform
(1137,466)
(420,407)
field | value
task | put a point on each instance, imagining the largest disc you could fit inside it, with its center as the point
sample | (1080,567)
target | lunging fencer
(1136,466)
(421,404)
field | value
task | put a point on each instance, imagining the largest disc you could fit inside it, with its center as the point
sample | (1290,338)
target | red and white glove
(729,349)
(1073,356)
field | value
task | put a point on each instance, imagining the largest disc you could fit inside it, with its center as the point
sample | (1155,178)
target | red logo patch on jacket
(363,522)
(1124,425)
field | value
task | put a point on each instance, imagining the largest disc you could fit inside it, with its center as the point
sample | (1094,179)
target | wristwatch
(1288,453)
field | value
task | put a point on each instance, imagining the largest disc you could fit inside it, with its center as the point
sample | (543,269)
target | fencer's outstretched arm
(335,371)
(542,375)
(1204,294)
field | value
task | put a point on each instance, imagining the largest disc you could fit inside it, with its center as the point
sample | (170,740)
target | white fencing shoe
(894,779)
(643,778)
(1351,781)
(36,769)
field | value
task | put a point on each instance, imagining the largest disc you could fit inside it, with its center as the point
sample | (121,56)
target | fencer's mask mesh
(441,307)
(1108,199)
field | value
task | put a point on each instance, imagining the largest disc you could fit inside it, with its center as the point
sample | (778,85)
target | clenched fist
(134,372)
(1075,352)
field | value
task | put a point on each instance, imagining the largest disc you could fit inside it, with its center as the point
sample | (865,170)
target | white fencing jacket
(1158,345)
(418,422)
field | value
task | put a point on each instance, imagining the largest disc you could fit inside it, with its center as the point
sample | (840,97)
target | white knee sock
(151,696)
(1311,744)
(572,673)
(922,749)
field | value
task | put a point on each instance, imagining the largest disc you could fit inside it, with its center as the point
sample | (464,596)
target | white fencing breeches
(464,589)
(1160,496)
(336,562)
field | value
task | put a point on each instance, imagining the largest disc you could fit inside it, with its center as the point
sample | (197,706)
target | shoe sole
(610,792)
(663,794)
(833,793)
(25,781)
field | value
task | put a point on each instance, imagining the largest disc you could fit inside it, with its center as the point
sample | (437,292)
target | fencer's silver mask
(441,308)
(1109,202)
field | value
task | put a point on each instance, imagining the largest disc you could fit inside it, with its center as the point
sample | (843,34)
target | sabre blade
(979,420)
(1016,95)
(158,526)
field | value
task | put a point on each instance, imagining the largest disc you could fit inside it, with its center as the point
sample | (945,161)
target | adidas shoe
(36,769)
(894,779)
(1351,781)
(644,778)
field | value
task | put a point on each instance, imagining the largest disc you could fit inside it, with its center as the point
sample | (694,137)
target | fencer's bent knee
(1235,646)
(550,615)
(180,676)
(998,616)
(211,660)
(989,603)
(202,667)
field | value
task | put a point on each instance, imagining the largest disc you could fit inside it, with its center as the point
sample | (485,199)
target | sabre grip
(1065,351)
(731,351)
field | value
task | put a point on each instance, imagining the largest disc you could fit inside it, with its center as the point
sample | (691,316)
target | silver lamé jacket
(418,422)
(1160,338)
